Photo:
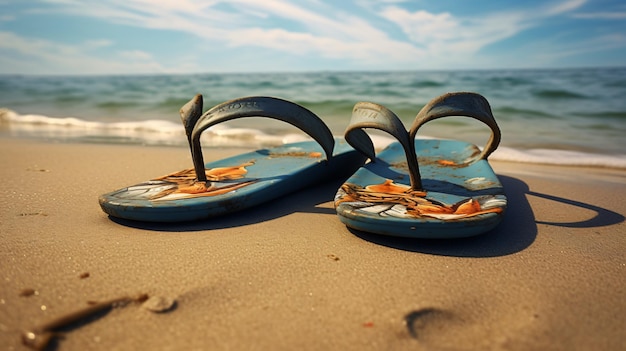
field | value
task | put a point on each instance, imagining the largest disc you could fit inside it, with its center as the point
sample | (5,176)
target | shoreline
(289,275)
(224,138)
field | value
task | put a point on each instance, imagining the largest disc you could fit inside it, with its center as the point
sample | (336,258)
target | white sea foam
(538,156)
(559,157)
(150,132)
(160,132)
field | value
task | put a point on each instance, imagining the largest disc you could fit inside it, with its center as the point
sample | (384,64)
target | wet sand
(290,276)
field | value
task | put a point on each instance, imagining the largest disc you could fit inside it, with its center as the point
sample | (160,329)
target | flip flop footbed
(233,184)
(462,196)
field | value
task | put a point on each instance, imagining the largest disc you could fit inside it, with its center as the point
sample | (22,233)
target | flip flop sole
(235,183)
(462,196)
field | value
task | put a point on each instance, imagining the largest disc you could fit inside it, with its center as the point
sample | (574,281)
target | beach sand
(289,276)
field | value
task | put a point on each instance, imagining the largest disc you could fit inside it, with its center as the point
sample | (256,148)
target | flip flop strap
(189,115)
(460,104)
(371,115)
(259,106)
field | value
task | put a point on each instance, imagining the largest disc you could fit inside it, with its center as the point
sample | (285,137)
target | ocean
(561,117)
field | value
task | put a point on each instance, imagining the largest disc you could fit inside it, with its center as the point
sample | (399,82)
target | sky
(213,36)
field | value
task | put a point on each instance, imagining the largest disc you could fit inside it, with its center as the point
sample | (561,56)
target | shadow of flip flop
(602,218)
(516,232)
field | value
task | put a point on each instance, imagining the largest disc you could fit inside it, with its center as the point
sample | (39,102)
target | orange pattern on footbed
(414,200)
(187,184)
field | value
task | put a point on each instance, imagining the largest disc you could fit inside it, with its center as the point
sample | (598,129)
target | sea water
(565,116)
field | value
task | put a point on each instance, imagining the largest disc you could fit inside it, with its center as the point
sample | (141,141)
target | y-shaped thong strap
(371,115)
(255,106)
(460,104)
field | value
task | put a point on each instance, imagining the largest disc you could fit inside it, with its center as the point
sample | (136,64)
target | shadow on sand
(517,231)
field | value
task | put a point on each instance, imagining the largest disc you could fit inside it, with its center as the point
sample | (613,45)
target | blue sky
(187,36)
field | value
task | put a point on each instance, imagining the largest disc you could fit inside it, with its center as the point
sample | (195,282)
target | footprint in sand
(427,324)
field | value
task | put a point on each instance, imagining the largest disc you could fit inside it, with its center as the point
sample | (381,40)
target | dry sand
(290,276)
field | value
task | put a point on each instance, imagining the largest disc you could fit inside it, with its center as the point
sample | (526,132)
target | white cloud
(98,43)
(601,15)
(445,36)
(560,7)
(325,32)
(136,55)
(36,56)
(422,26)
(184,15)
(584,46)
(364,37)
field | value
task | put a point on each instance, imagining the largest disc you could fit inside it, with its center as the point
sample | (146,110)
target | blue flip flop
(422,188)
(242,181)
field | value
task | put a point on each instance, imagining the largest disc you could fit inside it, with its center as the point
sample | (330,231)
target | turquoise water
(548,116)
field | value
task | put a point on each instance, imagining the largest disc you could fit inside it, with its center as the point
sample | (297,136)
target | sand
(290,276)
